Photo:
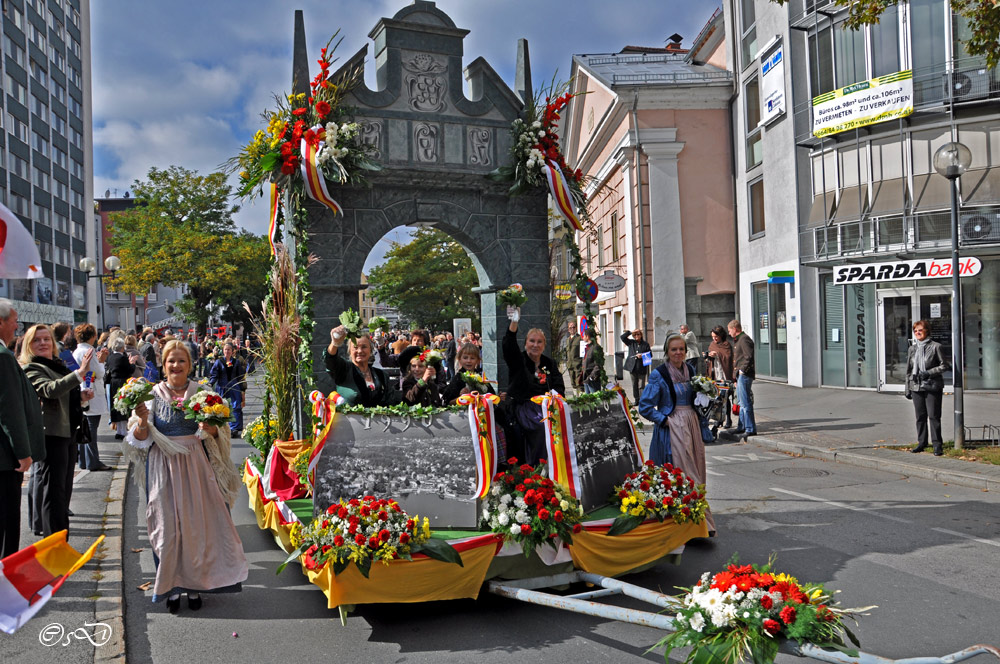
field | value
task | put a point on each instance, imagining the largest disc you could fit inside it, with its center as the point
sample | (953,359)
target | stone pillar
(633,280)
(666,241)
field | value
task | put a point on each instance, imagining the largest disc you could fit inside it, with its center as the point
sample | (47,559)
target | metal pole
(956,323)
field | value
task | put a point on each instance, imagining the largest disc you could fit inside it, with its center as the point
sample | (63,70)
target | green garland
(401,410)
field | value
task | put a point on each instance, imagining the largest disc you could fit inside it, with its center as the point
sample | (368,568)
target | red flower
(766,602)
(330,509)
(787,615)
(383,516)
(373,542)
(644,485)
(577,527)
(342,512)
(623,494)
(772,627)
(519,487)
(686,511)
(288,166)
(404,538)
(298,112)
(543,461)
(326,523)
(409,524)
(526,468)
(322,109)
(366,511)
(353,502)
(512,461)
(508,479)
(353,528)
(543,514)
(384,535)
(359,539)
(525,529)
(338,540)
(558,516)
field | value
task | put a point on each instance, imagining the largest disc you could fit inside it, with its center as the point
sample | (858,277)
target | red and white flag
(19,257)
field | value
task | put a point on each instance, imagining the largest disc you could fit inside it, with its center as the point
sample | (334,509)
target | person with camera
(636,346)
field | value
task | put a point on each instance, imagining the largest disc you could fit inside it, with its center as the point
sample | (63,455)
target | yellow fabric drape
(404,581)
(289,449)
(594,551)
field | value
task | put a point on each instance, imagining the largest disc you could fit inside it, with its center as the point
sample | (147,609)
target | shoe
(237,434)
(174,604)
(103,466)
(939,454)
(38,533)
(194,603)
(918,449)
(70,513)
(118,436)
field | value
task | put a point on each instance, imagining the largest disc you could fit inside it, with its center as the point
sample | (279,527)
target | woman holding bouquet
(531,374)
(419,385)
(360,383)
(190,484)
(667,402)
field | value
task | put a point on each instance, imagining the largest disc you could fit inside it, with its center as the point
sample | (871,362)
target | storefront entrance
(898,309)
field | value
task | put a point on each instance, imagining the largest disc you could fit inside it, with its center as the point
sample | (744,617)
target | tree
(430,280)
(983,18)
(181,232)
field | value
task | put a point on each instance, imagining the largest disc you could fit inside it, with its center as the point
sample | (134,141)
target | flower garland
(660,492)
(745,611)
(364,530)
(526,507)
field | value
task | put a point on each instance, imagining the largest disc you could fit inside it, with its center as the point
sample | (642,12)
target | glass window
(15,52)
(39,107)
(981,305)
(862,354)
(58,125)
(38,72)
(41,178)
(58,91)
(15,16)
(16,90)
(887,159)
(849,55)
(885,43)
(79,231)
(615,233)
(760,329)
(832,309)
(40,143)
(18,203)
(749,41)
(41,214)
(821,62)
(924,144)
(824,172)
(757,207)
(961,33)
(45,250)
(928,33)
(853,165)
(754,133)
(983,140)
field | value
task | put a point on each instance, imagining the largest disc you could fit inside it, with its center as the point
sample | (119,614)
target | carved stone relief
(426,83)
(480,146)
(425,142)
(371,134)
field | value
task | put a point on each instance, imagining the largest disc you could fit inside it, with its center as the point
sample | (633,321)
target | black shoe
(118,436)
(939,454)
(918,449)
(70,513)
(174,604)
(194,603)
(103,466)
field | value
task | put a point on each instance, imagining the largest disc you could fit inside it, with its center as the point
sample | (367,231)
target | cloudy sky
(184,83)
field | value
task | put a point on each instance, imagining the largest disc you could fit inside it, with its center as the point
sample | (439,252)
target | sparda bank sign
(931,268)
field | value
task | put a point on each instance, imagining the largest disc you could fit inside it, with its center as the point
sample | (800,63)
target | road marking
(970,537)
(709,471)
(834,503)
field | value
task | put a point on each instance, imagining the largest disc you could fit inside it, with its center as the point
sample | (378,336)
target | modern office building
(834,132)
(46,154)
(650,129)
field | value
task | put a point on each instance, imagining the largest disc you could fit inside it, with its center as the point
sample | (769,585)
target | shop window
(757,207)
(981,308)
(754,132)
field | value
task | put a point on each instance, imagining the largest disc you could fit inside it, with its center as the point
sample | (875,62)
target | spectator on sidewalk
(86,335)
(65,345)
(22,438)
(925,364)
(693,348)
(574,363)
(593,364)
(720,365)
(636,346)
(743,365)
(230,380)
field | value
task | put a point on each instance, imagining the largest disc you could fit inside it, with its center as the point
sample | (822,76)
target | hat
(407,356)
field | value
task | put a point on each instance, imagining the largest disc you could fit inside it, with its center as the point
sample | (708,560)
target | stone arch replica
(436,145)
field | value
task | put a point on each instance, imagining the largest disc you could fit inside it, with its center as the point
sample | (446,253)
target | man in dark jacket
(22,438)
(229,378)
(637,346)
(591,378)
(743,365)
(574,363)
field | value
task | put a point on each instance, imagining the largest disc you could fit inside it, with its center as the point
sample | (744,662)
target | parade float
(409,504)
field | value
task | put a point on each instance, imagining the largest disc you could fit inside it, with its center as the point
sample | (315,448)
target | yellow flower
(427,527)
(816,594)
(785,578)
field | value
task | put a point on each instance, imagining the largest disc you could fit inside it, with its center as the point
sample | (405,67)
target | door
(898,309)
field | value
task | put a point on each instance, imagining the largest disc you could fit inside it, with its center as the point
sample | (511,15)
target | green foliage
(430,280)
(983,18)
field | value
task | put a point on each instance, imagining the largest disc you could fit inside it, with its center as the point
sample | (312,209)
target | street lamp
(112,264)
(952,160)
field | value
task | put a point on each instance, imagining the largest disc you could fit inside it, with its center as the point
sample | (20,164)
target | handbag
(82,435)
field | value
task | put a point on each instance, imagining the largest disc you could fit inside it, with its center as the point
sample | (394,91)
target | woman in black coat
(925,366)
(636,346)
(117,370)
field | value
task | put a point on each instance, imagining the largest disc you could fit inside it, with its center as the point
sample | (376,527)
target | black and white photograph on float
(605,450)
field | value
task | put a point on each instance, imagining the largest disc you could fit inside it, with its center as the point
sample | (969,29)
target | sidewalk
(850,426)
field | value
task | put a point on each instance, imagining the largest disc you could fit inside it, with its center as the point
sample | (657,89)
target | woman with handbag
(680,434)
(925,366)
(59,392)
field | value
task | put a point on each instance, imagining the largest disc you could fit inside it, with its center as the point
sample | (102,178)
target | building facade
(650,128)
(846,209)
(46,152)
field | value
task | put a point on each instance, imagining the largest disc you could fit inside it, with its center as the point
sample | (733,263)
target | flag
(29,577)
(19,257)
(313,177)
(559,189)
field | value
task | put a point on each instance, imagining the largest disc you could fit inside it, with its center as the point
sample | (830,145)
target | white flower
(331,130)
(521,516)
(486,513)
(563,505)
(515,530)
(519,502)
(495,490)
(503,519)
(536,125)
(558,496)
(541,134)
(505,499)
(697,622)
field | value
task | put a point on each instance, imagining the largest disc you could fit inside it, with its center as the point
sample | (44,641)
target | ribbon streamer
(314,179)
(562,464)
(561,194)
(274,211)
(324,408)
(483,426)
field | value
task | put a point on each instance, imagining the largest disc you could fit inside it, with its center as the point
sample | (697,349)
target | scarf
(679,375)
(920,355)
(723,359)
(58,366)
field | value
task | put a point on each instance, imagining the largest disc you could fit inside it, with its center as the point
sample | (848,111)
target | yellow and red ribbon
(562,464)
(483,426)
(324,409)
(559,189)
(313,177)
(274,209)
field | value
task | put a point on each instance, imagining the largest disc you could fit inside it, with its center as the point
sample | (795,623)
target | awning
(931,192)
(890,198)
(852,203)
(981,187)
(820,211)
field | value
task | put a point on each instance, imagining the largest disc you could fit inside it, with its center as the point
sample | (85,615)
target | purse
(82,436)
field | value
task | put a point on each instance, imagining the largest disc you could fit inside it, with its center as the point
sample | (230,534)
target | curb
(110,606)
(869,460)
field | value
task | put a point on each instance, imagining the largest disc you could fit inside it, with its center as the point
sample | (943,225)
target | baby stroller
(718,410)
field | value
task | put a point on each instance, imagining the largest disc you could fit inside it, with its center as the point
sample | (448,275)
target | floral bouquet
(134,392)
(432,357)
(659,492)
(528,508)
(475,382)
(704,391)
(512,296)
(363,530)
(261,433)
(378,323)
(208,407)
(745,611)
(352,323)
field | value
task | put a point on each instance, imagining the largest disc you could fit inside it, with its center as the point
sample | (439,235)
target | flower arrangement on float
(526,507)
(134,392)
(657,492)
(745,611)
(475,382)
(362,531)
(260,433)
